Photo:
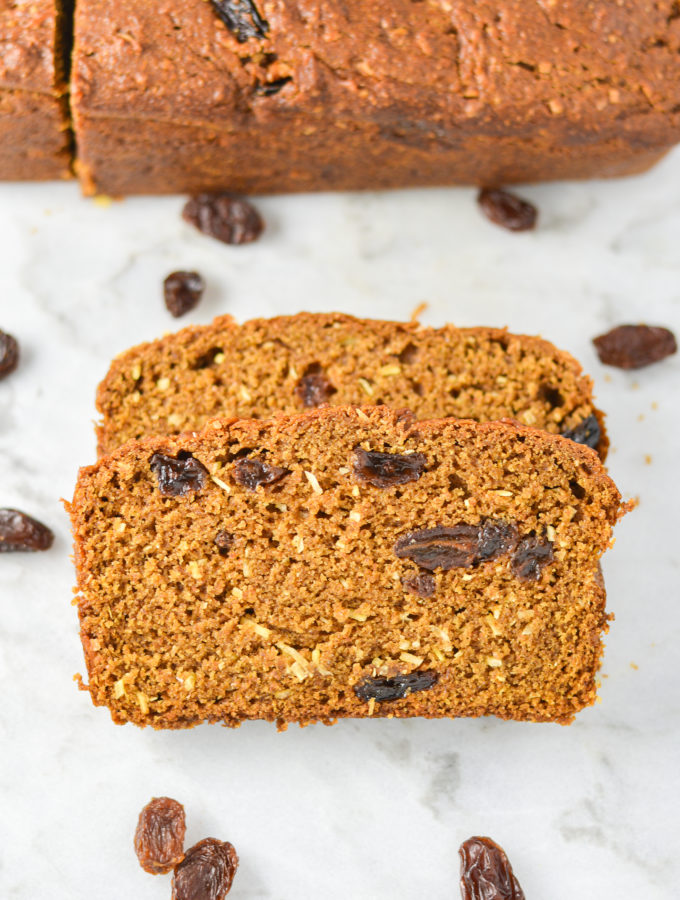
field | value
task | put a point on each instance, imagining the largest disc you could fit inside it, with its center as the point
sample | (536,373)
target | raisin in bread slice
(290,363)
(343,562)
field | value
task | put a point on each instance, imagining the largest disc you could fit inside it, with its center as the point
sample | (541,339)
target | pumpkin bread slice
(343,562)
(292,363)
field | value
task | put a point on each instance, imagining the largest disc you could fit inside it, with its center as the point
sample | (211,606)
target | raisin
(20,532)
(182,292)
(458,546)
(422,584)
(253,472)
(206,872)
(180,475)
(587,432)
(269,88)
(507,210)
(496,538)
(486,873)
(635,346)
(314,389)
(396,688)
(532,554)
(159,838)
(440,547)
(225,217)
(241,18)
(9,354)
(386,469)
(224,541)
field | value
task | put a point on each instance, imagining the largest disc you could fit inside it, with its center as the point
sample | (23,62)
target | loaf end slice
(292,363)
(35,136)
(343,563)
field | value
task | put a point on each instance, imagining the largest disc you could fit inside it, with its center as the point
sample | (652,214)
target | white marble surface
(372,809)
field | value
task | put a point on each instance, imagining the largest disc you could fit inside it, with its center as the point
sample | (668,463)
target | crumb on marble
(418,311)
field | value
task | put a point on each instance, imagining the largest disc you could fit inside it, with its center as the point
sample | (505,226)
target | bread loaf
(266,96)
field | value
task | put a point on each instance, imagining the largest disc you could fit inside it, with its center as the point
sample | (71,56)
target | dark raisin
(440,547)
(225,217)
(241,18)
(20,532)
(159,838)
(422,584)
(496,539)
(253,472)
(396,688)
(178,476)
(387,469)
(224,541)
(635,346)
(532,554)
(314,389)
(269,88)
(587,432)
(457,546)
(206,872)
(182,292)
(506,209)
(486,873)
(9,353)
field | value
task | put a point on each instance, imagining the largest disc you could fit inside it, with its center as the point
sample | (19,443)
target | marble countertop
(369,810)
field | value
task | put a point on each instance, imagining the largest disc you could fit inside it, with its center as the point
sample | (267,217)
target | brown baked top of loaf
(425,69)
(343,562)
(28,46)
(290,363)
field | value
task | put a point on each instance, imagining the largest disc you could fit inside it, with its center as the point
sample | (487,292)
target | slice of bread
(343,562)
(292,363)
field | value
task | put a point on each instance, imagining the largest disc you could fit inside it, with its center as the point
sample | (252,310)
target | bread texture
(343,563)
(290,363)
(35,140)
(321,95)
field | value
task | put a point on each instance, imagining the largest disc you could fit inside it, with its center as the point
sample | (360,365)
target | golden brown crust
(372,94)
(266,366)
(308,597)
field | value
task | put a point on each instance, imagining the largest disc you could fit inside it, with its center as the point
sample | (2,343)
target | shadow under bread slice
(293,363)
(343,562)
